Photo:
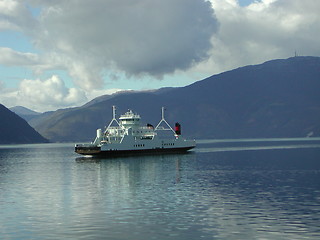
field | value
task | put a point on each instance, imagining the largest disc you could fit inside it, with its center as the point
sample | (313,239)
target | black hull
(122,153)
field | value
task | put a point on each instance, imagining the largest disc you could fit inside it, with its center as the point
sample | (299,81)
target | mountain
(14,129)
(279,98)
(25,113)
(106,97)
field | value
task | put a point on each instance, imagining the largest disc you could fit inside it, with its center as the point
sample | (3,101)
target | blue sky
(56,54)
(245,2)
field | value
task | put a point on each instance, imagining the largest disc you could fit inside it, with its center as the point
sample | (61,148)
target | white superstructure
(127,136)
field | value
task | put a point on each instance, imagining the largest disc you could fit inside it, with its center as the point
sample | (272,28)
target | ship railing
(161,128)
(146,127)
(113,139)
(113,128)
(85,145)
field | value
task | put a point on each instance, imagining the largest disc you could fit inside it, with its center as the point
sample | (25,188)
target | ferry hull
(133,152)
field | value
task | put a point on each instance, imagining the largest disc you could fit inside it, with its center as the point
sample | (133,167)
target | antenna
(162,113)
(113,112)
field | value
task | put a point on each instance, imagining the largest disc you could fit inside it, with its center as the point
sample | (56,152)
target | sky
(58,54)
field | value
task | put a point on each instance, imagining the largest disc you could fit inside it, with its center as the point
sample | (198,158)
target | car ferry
(126,136)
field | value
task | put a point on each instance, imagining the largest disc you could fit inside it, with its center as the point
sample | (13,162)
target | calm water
(250,189)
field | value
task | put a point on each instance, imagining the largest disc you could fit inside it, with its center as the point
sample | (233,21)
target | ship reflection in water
(267,190)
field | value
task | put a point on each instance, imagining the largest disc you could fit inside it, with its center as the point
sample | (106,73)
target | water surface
(230,189)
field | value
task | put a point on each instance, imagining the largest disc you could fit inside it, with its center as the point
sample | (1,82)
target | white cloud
(94,39)
(1,86)
(137,37)
(10,57)
(88,38)
(50,92)
(264,30)
(15,16)
(43,95)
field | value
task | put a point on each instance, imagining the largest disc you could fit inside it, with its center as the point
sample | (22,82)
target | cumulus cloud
(50,92)
(43,95)
(264,30)
(10,57)
(15,16)
(90,39)
(136,37)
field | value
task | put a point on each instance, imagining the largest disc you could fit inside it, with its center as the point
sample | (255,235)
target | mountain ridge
(15,130)
(25,113)
(278,98)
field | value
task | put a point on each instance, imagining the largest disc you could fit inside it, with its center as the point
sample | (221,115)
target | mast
(163,120)
(113,117)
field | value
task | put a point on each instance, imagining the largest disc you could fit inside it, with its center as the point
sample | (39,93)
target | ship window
(138,145)
(168,144)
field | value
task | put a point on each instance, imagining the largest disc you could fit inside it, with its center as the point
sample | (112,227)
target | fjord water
(231,189)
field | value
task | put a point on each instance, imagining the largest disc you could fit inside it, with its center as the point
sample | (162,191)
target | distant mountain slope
(279,98)
(80,124)
(14,129)
(23,112)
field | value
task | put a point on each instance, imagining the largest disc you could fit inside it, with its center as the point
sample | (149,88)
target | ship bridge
(129,120)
